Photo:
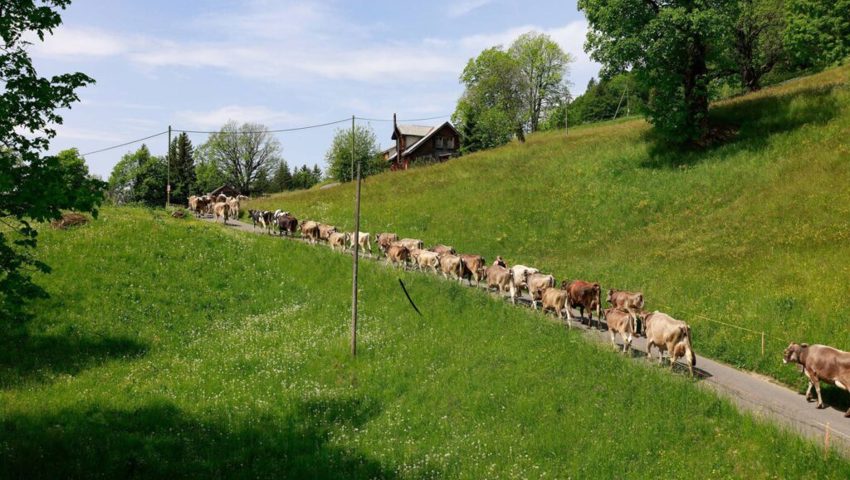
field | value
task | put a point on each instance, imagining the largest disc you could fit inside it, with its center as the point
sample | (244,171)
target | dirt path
(751,392)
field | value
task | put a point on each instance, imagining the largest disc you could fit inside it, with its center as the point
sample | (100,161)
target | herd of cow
(625,317)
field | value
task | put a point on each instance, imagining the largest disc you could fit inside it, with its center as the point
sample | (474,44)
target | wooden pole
(762,344)
(356,241)
(168,171)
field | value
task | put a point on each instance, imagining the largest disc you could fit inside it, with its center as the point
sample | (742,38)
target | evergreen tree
(317,174)
(282,179)
(181,154)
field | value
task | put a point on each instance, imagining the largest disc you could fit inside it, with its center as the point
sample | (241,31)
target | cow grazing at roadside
(584,296)
(555,299)
(820,363)
(473,268)
(221,210)
(310,231)
(384,240)
(398,254)
(536,283)
(443,249)
(423,259)
(670,335)
(286,224)
(620,322)
(631,302)
(365,244)
(338,239)
(519,275)
(325,231)
(499,276)
(451,266)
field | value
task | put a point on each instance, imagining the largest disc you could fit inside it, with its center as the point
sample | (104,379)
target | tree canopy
(243,153)
(34,187)
(366,153)
(181,156)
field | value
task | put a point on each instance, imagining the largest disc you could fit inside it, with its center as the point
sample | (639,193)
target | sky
(285,64)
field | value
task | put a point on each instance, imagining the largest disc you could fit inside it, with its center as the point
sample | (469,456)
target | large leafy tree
(670,45)
(181,156)
(34,187)
(139,177)
(818,31)
(757,44)
(245,153)
(490,111)
(340,159)
(543,72)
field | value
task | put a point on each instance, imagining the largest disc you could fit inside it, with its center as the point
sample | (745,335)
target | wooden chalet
(422,144)
(225,189)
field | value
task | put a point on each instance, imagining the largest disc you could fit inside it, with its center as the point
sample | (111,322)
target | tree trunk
(696,93)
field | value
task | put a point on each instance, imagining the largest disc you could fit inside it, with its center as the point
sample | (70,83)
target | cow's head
(610,295)
(792,353)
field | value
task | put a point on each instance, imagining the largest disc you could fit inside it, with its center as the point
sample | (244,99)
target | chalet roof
(424,139)
(414,130)
(225,189)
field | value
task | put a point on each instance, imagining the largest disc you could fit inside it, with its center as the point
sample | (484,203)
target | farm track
(750,392)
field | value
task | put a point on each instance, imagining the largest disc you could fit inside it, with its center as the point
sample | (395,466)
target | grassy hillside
(178,349)
(753,232)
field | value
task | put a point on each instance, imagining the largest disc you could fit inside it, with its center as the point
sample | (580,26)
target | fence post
(762,344)
(356,241)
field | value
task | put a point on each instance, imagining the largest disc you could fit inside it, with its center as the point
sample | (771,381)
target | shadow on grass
(33,359)
(748,125)
(160,441)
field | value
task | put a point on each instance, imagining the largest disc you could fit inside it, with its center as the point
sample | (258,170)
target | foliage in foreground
(751,233)
(196,351)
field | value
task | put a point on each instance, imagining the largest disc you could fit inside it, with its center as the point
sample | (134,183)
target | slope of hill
(753,232)
(178,349)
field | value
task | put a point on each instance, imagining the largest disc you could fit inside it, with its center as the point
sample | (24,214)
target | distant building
(422,144)
(226,190)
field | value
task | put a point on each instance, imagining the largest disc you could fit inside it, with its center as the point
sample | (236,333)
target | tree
(208,176)
(282,179)
(139,177)
(490,111)
(543,69)
(669,45)
(339,155)
(181,156)
(243,153)
(34,187)
(757,45)
(317,172)
(818,31)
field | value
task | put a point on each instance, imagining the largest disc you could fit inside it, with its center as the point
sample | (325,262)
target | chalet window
(439,142)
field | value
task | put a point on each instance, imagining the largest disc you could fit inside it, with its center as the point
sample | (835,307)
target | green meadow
(752,231)
(179,349)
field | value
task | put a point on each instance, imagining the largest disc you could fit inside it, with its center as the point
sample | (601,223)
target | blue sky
(285,64)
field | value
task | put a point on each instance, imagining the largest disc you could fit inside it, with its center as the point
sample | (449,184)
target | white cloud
(214,119)
(460,8)
(79,42)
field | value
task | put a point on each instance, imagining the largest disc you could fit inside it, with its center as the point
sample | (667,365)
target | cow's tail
(686,331)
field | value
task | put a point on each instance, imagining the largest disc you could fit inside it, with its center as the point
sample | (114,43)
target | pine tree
(317,174)
(282,179)
(183,178)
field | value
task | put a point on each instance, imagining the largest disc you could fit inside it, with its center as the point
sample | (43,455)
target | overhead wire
(125,143)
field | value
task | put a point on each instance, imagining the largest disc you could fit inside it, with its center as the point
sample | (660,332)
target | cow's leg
(613,342)
(809,390)
(649,350)
(562,316)
(513,293)
(627,343)
(671,352)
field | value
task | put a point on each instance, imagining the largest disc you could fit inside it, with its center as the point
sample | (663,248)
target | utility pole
(356,241)
(168,170)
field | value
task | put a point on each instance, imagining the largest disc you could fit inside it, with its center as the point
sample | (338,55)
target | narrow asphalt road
(750,392)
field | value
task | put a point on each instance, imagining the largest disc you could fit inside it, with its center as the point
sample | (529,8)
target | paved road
(751,392)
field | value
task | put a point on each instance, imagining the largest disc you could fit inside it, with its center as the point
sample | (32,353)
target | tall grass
(172,348)
(752,232)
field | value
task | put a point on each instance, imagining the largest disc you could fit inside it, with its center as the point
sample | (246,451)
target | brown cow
(365,244)
(631,302)
(443,249)
(338,239)
(384,240)
(537,282)
(410,243)
(202,205)
(423,259)
(310,231)
(452,265)
(325,231)
(519,275)
(221,210)
(821,363)
(398,254)
(619,321)
(555,299)
(498,275)
(671,335)
(584,295)
(473,268)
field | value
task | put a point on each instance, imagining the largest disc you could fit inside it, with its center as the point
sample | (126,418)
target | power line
(126,143)
(403,120)
(278,130)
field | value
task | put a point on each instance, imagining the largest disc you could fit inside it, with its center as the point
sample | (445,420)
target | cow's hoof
(821,406)
(847,414)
